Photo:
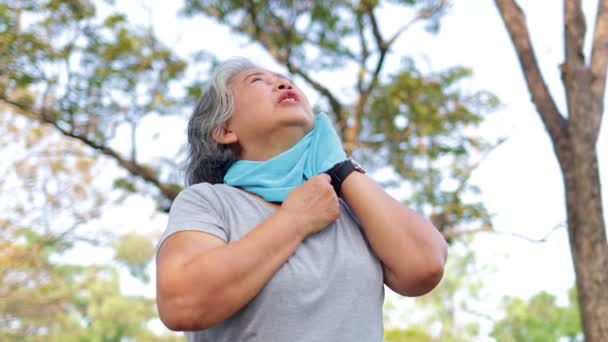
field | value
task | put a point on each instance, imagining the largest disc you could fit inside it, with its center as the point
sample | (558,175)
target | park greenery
(74,75)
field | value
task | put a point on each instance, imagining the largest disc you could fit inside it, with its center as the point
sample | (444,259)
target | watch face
(358,166)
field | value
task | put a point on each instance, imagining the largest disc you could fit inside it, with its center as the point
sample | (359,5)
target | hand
(313,205)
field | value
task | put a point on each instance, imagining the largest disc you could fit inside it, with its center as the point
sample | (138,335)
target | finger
(325,177)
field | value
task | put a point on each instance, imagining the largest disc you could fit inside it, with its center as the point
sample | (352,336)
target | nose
(283,84)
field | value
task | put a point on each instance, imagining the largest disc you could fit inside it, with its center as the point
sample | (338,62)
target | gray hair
(208,161)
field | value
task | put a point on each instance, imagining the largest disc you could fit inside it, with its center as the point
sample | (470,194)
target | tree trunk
(584,86)
(586,232)
(574,141)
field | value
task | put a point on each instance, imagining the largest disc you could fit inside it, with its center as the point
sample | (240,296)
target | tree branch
(541,240)
(574,33)
(575,75)
(468,172)
(138,170)
(364,52)
(514,20)
(422,15)
(403,29)
(454,232)
(375,28)
(383,48)
(351,133)
(441,219)
(599,57)
(478,314)
(260,35)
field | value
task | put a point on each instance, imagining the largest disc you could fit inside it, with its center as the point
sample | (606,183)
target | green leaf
(124,184)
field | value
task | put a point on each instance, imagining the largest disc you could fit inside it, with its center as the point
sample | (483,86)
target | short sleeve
(194,209)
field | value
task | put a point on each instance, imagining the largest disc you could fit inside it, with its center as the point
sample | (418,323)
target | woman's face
(270,114)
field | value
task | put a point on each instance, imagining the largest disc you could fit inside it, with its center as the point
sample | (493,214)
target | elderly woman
(279,236)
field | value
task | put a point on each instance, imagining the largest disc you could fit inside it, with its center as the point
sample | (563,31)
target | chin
(298,118)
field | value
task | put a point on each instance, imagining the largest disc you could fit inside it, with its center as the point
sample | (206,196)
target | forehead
(241,76)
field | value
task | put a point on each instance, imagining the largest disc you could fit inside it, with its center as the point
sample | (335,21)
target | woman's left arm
(411,249)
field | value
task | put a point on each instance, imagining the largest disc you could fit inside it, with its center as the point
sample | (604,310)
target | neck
(277,175)
(271,146)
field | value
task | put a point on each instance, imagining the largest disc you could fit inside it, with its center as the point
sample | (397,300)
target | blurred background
(428,94)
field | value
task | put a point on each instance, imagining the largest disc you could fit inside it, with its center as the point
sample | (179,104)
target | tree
(46,296)
(574,138)
(540,319)
(87,75)
(446,313)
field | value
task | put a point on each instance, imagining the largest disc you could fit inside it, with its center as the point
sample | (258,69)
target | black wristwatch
(340,171)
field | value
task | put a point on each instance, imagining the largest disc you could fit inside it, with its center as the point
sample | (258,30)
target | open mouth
(288,97)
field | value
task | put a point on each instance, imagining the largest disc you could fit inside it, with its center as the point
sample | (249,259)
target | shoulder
(200,207)
(195,197)
(206,196)
(202,191)
(199,188)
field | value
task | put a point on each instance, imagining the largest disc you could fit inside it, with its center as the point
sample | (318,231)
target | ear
(224,135)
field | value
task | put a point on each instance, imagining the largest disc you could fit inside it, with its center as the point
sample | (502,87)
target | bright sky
(520,180)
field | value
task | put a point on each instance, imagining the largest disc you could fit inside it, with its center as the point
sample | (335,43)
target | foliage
(46,296)
(88,74)
(441,314)
(411,334)
(135,251)
(448,313)
(417,124)
(49,300)
(421,123)
(540,319)
(85,73)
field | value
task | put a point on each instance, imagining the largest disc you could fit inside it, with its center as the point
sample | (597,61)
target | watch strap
(340,172)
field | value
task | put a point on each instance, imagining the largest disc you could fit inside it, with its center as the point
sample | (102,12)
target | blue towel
(273,179)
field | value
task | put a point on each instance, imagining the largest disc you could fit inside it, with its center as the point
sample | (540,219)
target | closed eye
(256,79)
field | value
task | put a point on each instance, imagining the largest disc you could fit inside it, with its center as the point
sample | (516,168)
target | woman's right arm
(201,280)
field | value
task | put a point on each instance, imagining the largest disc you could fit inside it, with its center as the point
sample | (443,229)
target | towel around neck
(273,179)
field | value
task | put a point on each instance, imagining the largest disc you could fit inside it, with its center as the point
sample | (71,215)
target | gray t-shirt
(330,289)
